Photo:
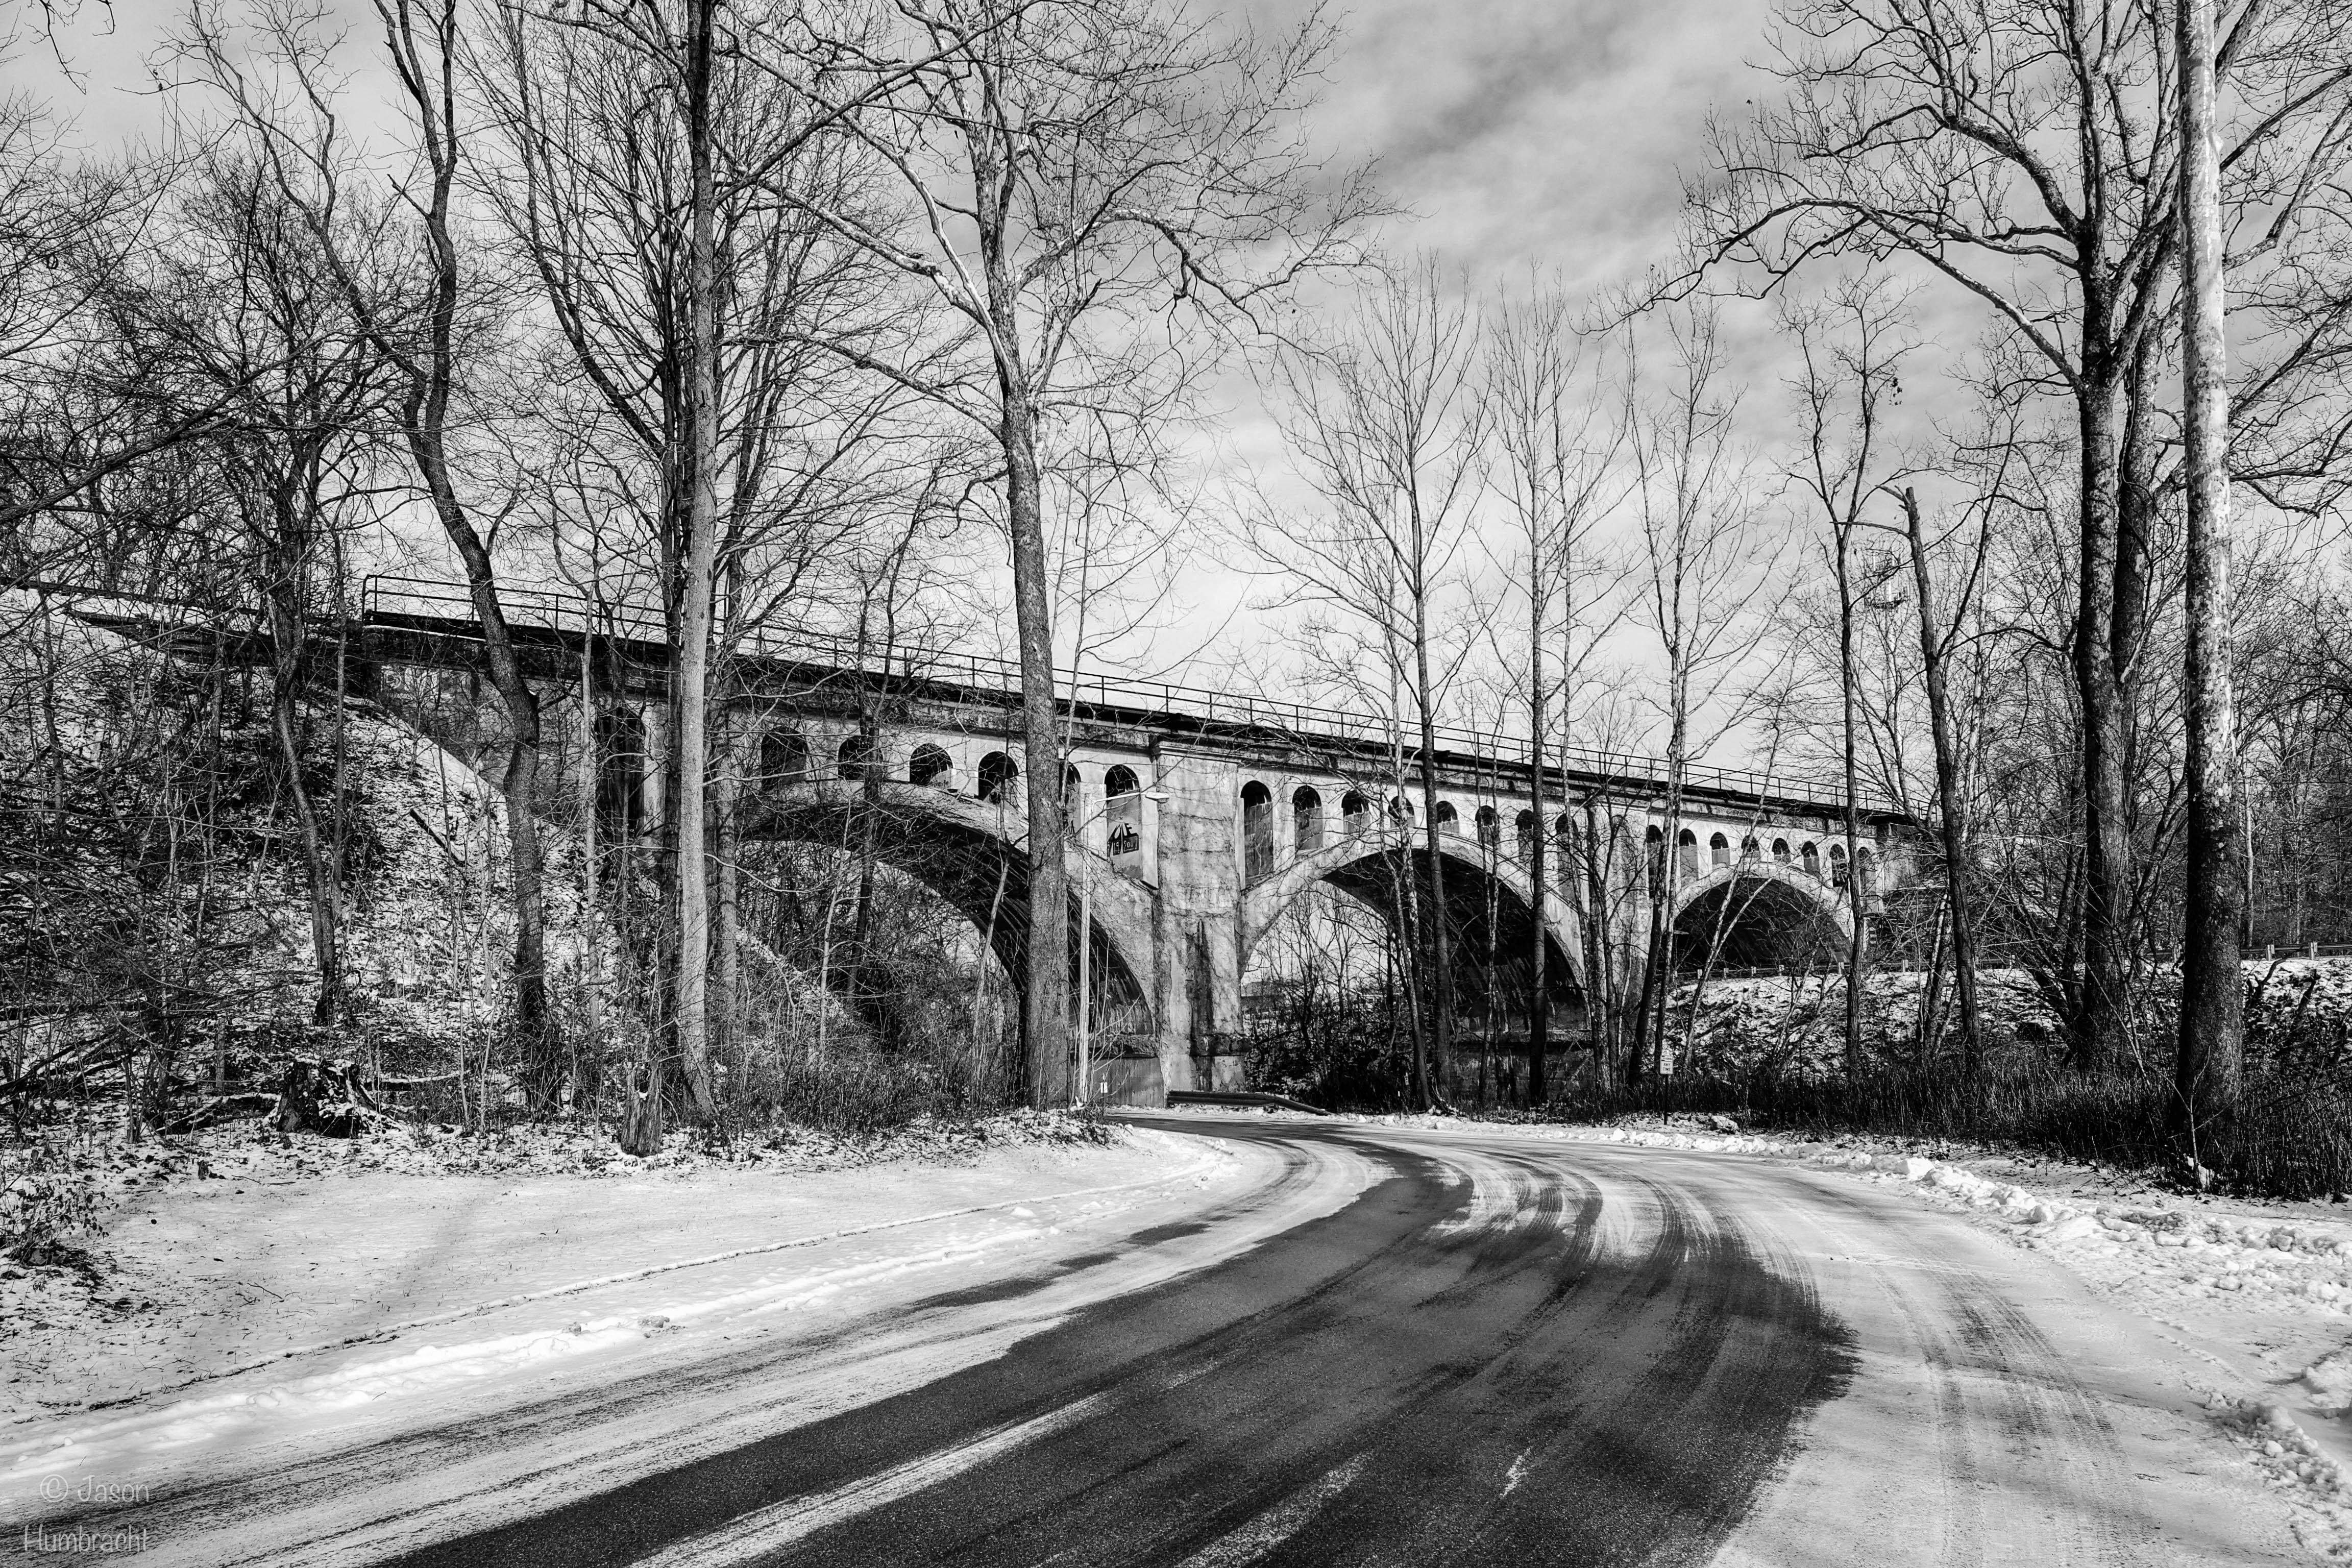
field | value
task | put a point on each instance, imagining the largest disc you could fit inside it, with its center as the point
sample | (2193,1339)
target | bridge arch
(1257,830)
(996,778)
(970,853)
(1359,865)
(1757,913)
(1306,819)
(931,767)
(784,754)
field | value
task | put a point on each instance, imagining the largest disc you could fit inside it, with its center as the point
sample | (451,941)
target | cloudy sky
(1536,132)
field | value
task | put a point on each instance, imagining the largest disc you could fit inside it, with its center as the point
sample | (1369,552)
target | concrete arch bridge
(1204,818)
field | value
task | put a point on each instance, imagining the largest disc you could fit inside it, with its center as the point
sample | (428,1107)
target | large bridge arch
(1350,862)
(1755,912)
(971,853)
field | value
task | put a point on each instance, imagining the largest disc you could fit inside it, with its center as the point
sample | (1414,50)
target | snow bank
(399,1299)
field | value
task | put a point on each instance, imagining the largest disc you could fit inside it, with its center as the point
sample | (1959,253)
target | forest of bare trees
(1975,461)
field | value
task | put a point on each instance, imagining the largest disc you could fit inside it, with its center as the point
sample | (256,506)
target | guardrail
(382,595)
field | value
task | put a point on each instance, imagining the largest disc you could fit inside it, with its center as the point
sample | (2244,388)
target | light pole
(1086,937)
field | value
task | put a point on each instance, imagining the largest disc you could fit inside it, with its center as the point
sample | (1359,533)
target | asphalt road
(1491,1349)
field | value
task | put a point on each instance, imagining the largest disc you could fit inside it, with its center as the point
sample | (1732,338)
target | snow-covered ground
(2258,1291)
(304,1293)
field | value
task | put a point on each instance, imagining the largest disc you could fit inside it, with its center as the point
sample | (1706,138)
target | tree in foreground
(1094,189)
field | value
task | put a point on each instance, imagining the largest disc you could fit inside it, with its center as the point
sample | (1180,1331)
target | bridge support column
(1197,980)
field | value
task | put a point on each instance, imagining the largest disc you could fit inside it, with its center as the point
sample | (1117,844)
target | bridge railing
(575,613)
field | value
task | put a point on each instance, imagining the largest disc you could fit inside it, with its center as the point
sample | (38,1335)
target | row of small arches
(1357,811)
(785,758)
(1809,855)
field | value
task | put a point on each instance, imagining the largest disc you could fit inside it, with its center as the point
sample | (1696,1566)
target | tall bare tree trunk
(1538,959)
(1857,935)
(2212,990)
(1951,806)
(1440,939)
(701,557)
(427,70)
(2101,1037)
(1045,1004)
(286,629)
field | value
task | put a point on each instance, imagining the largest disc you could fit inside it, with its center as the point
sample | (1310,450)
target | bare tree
(1853,349)
(430,332)
(1386,426)
(1695,497)
(258,316)
(1069,167)
(1556,471)
(2026,155)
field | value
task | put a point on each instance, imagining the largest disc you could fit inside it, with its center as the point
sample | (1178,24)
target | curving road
(1469,1349)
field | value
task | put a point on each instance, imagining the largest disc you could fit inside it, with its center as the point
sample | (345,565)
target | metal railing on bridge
(385,596)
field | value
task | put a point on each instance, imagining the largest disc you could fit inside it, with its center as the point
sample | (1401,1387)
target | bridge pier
(1197,969)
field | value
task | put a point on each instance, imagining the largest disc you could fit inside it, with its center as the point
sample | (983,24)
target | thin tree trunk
(424,420)
(1538,959)
(702,555)
(591,938)
(2213,989)
(1951,803)
(1439,944)
(285,726)
(1857,935)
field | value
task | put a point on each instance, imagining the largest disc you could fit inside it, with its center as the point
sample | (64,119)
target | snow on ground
(2259,1290)
(308,1285)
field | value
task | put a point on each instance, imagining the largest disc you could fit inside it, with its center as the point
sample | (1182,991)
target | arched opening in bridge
(1838,866)
(783,755)
(870,963)
(1755,922)
(1306,820)
(996,777)
(1257,831)
(1074,792)
(1401,809)
(953,852)
(1655,852)
(1447,820)
(1780,850)
(1568,865)
(1355,812)
(1324,987)
(1524,825)
(1687,852)
(1123,818)
(1490,829)
(1812,857)
(1718,850)
(930,767)
(858,754)
(1749,849)
(1865,871)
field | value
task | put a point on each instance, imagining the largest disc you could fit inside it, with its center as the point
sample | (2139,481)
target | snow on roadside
(522,1278)
(2265,1302)
(261,1260)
